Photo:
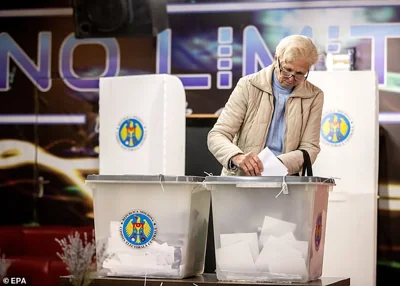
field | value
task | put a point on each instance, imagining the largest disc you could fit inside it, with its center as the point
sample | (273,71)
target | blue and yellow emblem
(131,133)
(318,231)
(138,229)
(335,128)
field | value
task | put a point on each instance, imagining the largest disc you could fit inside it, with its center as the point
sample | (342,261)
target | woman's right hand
(249,163)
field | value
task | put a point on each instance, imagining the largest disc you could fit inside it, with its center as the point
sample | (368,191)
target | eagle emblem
(318,231)
(131,133)
(335,128)
(138,229)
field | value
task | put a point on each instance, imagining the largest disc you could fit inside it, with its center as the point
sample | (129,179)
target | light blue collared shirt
(276,132)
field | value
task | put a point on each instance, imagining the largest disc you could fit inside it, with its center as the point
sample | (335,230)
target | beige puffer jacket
(243,125)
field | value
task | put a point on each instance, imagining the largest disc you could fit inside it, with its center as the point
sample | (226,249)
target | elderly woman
(276,108)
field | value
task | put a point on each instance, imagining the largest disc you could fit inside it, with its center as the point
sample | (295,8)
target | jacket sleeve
(221,136)
(310,141)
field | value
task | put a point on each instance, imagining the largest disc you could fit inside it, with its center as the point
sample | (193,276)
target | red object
(32,251)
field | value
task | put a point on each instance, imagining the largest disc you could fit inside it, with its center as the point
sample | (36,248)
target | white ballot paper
(272,165)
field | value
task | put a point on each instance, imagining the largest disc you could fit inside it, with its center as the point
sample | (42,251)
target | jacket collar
(263,81)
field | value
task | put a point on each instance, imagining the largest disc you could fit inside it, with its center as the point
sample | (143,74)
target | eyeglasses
(288,74)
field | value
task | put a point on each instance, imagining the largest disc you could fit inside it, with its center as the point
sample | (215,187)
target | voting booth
(269,229)
(142,125)
(349,152)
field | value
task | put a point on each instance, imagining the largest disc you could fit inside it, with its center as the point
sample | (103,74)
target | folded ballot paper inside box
(264,235)
(154,260)
(274,251)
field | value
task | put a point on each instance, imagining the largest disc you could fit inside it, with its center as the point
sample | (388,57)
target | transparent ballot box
(151,226)
(269,229)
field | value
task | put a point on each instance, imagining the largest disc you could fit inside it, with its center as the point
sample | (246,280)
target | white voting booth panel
(349,151)
(142,125)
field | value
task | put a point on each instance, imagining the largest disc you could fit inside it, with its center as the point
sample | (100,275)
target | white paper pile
(275,251)
(155,259)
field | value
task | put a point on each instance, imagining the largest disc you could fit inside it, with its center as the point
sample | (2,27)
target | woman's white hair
(297,47)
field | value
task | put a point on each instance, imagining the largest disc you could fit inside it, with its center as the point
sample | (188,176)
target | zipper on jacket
(286,109)
(270,121)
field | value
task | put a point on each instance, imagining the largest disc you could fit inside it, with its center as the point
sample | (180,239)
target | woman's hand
(249,163)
